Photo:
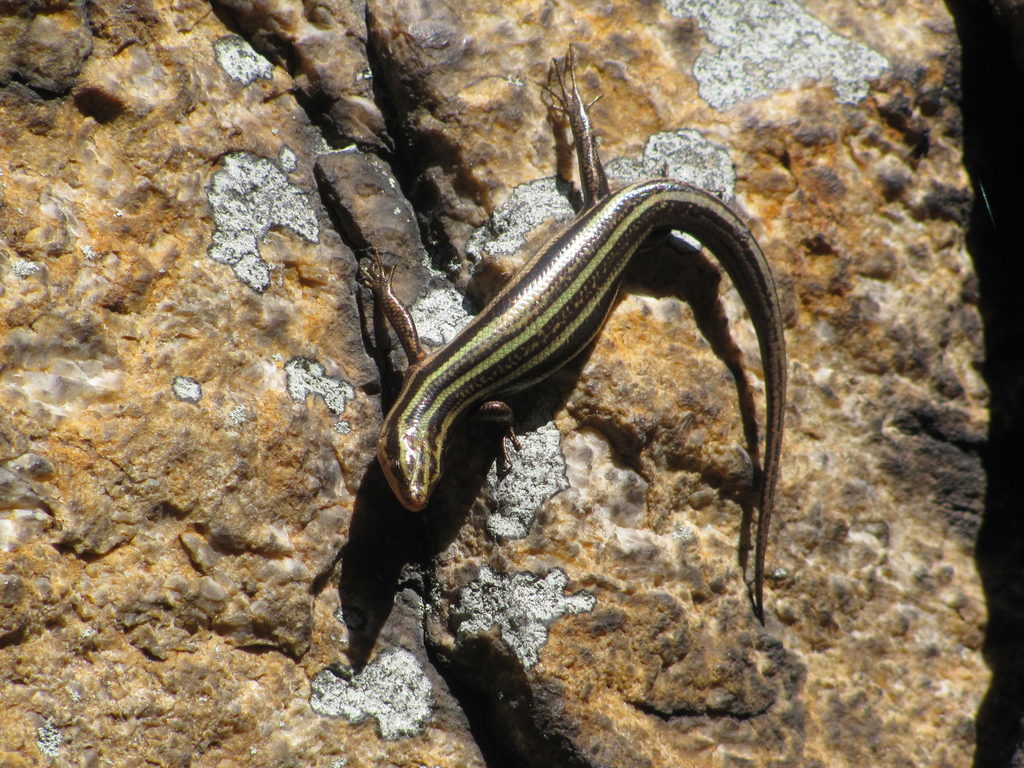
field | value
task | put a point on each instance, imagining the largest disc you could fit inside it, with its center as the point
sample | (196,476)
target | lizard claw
(373,275)
(509,439)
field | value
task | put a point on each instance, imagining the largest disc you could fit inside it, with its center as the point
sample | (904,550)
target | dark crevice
(43,94)
(18,636)
(405,158)
(99,104)
(473,703)
(476,707)
(315,104)
(705,712)
(167,509)
(515,722)
(993,111)
(70,548)
(317,108)
(323,578)
(341,220)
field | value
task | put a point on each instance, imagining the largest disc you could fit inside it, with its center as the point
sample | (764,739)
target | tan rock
(199,563)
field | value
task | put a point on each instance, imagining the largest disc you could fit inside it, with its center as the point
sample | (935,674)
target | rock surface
(199,562)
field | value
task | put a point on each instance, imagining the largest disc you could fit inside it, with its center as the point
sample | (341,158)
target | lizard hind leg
(565,98)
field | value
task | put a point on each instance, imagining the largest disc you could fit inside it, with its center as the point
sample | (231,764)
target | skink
(555,305)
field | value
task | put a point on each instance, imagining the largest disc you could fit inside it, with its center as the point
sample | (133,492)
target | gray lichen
(49,739)
(238,416)
(249,195)
(536,474)
(684,155)
(186,389)
(439,314)
(24,268)
(527,207)
(522,606)
(763,46)
(305,376)
(287,159)
(239,61)
(393,689)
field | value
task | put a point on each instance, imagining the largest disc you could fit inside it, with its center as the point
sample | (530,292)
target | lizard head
(410,463)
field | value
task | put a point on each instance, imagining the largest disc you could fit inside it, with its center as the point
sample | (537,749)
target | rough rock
(322,46)
(199,561)
(44,44)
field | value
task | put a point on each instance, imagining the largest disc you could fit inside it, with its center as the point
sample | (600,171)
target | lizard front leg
(500,412)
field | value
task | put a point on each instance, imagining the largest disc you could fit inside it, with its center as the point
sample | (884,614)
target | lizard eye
(393,469)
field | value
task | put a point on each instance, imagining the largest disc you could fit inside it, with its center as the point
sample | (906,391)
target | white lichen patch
(763,46)
(527,207)
(521,606)
(305,376)
(287,159)
(238,416)
(49,740)
(439,314)
(186,389)
(684,155)
(239,61)
(249,195)
(393,689)
(537,473)
(24,267)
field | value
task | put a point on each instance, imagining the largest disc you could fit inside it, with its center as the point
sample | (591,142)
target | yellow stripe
(549,312)
(527,328)
(556,346)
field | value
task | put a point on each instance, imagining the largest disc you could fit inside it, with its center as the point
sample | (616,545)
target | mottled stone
(323,45)
(44,45)
(371,209)
(173,479)
(199,561)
